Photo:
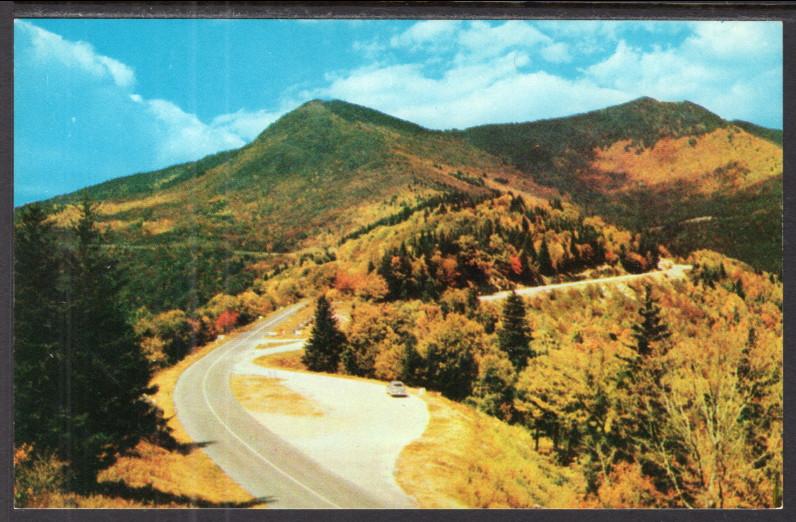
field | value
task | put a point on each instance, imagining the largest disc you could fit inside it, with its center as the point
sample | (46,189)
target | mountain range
(330,168)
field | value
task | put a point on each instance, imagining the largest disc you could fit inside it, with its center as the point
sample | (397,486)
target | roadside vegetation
(95,425)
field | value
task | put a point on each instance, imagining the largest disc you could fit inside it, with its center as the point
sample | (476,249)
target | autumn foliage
(226,321)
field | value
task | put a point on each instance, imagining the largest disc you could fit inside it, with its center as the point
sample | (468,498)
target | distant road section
(675,272)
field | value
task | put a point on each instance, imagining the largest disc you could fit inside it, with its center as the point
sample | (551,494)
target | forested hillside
(654,165)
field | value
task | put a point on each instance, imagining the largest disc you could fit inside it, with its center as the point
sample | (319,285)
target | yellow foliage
(726,157)
(627,487)
(152,347)
(466,459)
(160,226)
(108,208)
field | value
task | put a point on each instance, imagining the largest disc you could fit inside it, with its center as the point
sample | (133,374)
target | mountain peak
(666,113)
(352,113)
(644,100)
(646,103)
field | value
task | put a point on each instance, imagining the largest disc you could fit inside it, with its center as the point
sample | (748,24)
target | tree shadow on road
(164,438)
(152,496)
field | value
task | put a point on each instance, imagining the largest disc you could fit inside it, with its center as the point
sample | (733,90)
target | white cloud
(431,33)
(48,46)
(486,40)
(735,41)
(472,41)
(183,136)
(468,95)
(371,50)
(245,124)
(557,53)
(732,68)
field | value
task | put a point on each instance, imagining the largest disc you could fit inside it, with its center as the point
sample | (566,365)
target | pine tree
(544,259)
(575,262)
(737,287)
(641,426)
(515,336)
(36,331)
(327,342)
(755,418)
(105,375)
(651,329)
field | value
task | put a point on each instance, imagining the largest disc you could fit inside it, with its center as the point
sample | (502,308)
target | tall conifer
(37,356)
(515,336)
(326,344)
(105,376)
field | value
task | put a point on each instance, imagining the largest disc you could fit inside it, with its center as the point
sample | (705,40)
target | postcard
(383,263)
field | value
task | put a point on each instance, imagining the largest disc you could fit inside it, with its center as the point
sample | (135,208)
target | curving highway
(260,461)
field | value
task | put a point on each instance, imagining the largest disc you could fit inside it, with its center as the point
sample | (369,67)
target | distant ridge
(652,164)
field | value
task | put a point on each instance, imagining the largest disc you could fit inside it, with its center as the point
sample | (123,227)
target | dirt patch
(283,361)
(268,395)
(270,345)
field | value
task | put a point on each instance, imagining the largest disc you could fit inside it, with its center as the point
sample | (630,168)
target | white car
(397,389)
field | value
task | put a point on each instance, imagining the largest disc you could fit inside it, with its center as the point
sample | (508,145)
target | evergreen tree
(411,364)
(515,336)
(327,342)
(574,255)
(651,329)
(737,287)
(493,390)
(104,376)
(756,419)
(544,259)
(37,357)
(641,426)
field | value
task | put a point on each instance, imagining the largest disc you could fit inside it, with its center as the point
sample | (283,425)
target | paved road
(360,433)
(676,272)
(264,464)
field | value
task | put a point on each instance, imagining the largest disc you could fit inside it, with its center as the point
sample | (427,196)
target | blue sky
(97,99)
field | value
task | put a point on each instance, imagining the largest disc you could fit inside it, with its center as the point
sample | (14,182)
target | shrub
(226,321)
(36,477)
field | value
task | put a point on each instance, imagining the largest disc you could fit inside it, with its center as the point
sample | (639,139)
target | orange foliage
(726,157)
(346,283)
(628,487)
(226,321)
(515,264)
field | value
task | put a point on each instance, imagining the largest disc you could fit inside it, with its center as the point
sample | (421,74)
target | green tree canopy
(38,387)
(106,375)
(327,342)
(81,379)
(514,338)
